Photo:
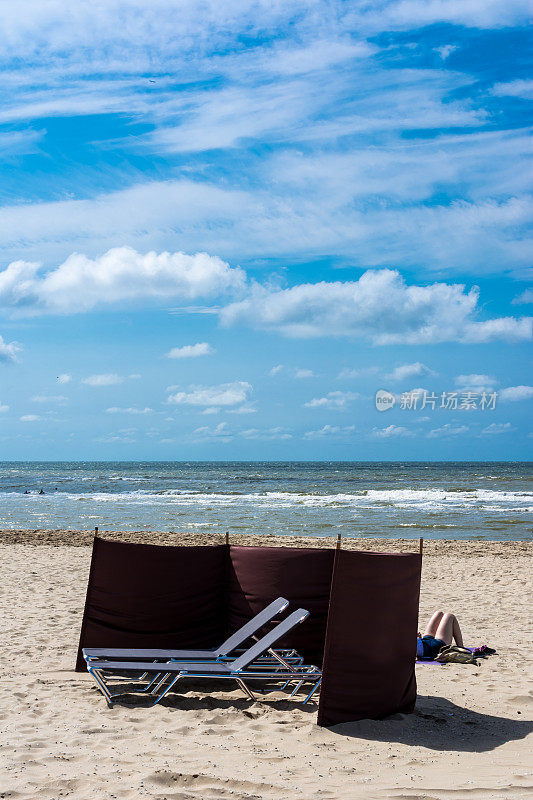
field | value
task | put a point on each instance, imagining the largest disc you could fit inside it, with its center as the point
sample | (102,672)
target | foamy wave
(429,500)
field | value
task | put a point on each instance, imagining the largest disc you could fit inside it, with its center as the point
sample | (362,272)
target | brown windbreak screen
(257,575)
(150,596)
(369,660)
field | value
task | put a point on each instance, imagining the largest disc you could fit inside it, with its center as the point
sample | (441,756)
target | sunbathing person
(441,630)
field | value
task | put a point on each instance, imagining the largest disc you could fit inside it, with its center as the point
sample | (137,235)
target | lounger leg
(296,689)
(167,689)
(101,685)
(149,685)
(313,690)
(161,682)
(246,689)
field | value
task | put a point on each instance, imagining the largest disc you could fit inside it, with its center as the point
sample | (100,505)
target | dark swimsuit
(431,647)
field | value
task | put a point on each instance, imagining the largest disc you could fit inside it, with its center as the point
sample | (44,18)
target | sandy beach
(466,739)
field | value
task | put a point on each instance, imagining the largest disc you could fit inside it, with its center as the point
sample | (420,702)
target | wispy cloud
(224,394)
(9,350)
(514,393)
(122,436)
(496,428)
(330,431)
(448,430)
(220,432)
(129,410)
(525,297)
(103,379)
(518,88)
(404,371)
(267,433)
(391,431)
(333,400)
(191,351)
(476,382)
(64,378)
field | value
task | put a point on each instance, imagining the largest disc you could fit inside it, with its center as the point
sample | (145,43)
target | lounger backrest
(252,626)
(268,640)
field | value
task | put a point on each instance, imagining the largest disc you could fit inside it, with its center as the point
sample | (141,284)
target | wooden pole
(227,537)
(420,546)
(338,545)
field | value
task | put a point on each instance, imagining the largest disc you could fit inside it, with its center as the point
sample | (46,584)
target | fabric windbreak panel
(152,596)
(257,575)
(369,661)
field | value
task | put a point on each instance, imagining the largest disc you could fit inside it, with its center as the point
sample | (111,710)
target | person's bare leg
(433,624)
(449,629)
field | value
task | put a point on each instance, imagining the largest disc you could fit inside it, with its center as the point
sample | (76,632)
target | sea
(451,500)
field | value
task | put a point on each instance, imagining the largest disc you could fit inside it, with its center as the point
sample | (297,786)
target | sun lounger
(244,668)
(235,641)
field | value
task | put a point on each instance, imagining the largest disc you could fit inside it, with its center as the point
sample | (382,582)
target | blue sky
(224,227)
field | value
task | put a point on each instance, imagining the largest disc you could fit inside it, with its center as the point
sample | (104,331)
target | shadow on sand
(439,724)
(187,701)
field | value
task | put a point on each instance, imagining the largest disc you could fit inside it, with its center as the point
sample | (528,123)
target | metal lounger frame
(246,666)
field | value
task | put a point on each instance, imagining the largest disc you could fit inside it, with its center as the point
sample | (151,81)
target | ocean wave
(429,500)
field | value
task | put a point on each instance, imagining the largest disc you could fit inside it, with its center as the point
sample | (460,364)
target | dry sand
(466,739)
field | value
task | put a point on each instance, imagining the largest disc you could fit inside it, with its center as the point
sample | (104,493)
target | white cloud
(103,379)
(379,306)
(329,430)
(224,394)
(247,409)
(514,393)
(210,410)
(391,431)
(526,297)
(333,400)
(304,373)
(509,329)
(64,378)
(9,350)
(19,142)
(3,408)
(43,398)
(119,275)
(191,351)
(476,382)
(276,370)
(30,418)
(446,50)
(495,428)
(516,88)
(220,432)
(404,371)
(448,430)
(130,410)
